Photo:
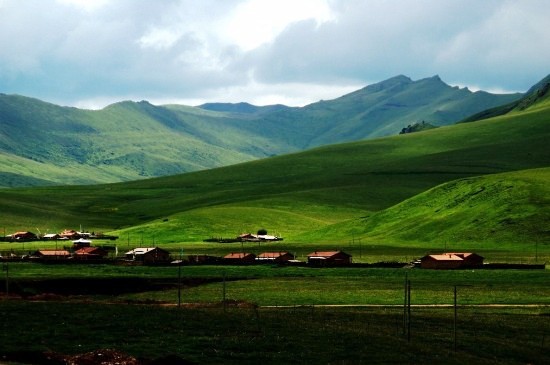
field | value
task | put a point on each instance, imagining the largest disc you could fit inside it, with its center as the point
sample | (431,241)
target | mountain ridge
(411,189)
(134,140)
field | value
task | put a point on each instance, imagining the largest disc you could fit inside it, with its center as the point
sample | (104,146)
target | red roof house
(239,258)
(451,260)
(275,257)
(148,255)
(90,253)
(53,254)
(23,236)
(328,258)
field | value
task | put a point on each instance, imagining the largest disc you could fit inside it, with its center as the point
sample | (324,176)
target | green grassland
(493,173)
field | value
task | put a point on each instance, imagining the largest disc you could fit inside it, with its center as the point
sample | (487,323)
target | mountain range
(46,144)
(479,185)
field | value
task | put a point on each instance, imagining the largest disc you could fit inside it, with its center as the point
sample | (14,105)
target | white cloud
(263,51)
(256,22)
(87,5)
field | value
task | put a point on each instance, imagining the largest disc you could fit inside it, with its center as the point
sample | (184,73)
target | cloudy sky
(90,53)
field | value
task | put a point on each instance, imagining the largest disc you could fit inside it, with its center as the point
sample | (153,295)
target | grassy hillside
(128,140)
(125,141)
(297,194)
(499,210)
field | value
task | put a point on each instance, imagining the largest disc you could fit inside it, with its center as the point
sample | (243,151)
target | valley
(480,186)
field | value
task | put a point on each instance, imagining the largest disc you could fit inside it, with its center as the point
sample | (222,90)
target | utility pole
(179,278)
(223,294)
(6,269)
(407,309)
(455,324)
(405,296)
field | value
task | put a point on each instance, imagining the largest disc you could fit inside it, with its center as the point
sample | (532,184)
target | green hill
(502,209)
(354,187)
(46,144)
(538,93)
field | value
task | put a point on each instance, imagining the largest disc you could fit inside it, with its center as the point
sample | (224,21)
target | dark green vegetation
(45,144)
(280,336)
(417,127)
(267,285)
(202,331)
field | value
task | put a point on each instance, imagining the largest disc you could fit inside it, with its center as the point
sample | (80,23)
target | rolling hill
(377,189)
(45,144)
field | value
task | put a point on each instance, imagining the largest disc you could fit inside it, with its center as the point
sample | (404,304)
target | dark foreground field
(273,315)
(243,334)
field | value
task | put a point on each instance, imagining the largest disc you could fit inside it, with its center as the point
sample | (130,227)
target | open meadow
(272,314)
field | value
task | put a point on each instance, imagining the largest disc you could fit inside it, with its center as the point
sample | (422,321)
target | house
(48,255)
(81,242)
(69,234)
(470,259)
(328,258)
(148,255)
(23,236)
(250,237)
(52,236)
(275,257)
(239,258)
(90,253)
(451,260)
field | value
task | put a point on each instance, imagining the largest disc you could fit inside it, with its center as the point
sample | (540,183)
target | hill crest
(134,140)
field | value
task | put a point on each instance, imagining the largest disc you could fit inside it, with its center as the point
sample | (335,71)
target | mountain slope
(385,108)
(125,141)
(128,140)
(537,93)
(301,192)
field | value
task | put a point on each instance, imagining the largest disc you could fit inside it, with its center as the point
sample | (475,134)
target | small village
(78,247)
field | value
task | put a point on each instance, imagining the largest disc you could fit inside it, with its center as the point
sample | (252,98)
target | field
(279,314)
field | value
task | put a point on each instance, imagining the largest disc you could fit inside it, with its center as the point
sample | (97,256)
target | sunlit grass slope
(295,194)
(499,210)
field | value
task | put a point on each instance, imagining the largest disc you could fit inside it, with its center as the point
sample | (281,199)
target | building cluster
(82,250)
(66,235)
(317,258)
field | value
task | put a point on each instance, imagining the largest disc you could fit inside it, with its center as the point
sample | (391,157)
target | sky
(91,53)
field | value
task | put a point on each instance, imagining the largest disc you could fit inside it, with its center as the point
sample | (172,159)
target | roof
(325,254)
(462,254)
(54,253)
(82,240)
(21,233)
(142,250)
(88,250)
(238,255)
(452,256)
(272,255)
(68,232)
(445,257)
